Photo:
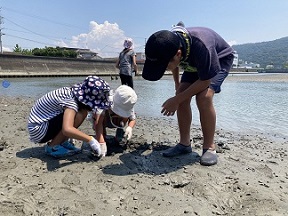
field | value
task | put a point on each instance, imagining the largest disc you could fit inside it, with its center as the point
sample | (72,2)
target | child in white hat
(120,115)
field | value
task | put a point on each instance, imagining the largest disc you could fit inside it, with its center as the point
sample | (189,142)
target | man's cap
(93,92)
(124,99)
(160,48)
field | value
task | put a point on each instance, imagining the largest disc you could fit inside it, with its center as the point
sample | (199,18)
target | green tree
(17,49)
(54,52)
(26,52)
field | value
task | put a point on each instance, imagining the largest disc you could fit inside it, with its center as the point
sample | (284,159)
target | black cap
(160,48)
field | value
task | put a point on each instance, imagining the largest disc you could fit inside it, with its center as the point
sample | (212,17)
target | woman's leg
(127,80)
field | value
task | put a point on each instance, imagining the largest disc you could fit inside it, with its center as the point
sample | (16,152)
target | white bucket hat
(124,100)
(128,43)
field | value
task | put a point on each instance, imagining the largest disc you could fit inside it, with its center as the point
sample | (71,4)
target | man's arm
(193,89)
(171,105)
(175,73)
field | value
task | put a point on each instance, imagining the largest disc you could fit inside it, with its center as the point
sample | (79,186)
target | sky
(102,26)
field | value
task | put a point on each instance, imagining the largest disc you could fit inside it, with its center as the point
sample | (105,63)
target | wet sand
(251,177)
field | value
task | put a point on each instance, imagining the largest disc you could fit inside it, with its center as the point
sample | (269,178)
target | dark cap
(159,50)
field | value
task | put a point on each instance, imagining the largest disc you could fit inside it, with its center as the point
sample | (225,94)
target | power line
(35,33)
(55,40)
(29,32)
(30,40)
(42,18)
(41,35)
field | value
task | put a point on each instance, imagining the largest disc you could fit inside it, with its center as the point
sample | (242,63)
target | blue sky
(102,26)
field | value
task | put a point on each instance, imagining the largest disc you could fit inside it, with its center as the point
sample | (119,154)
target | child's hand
(103,147)
(95,146)
(169,107)
(128,132)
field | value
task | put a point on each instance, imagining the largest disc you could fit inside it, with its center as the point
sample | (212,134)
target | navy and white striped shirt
(46,108)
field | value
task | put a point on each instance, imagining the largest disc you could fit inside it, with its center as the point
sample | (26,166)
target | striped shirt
(47,107)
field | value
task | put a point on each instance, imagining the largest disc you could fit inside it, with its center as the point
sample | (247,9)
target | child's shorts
(216,81)
(54,127)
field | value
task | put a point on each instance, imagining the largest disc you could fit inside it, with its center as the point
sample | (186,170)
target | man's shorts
(216,81)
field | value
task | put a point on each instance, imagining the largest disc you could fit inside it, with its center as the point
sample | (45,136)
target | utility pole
(1,22)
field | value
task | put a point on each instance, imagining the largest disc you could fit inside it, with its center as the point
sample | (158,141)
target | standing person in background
(126,63)
(206,59)
(56,116)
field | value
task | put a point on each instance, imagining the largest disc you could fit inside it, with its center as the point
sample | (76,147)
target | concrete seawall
(34,66)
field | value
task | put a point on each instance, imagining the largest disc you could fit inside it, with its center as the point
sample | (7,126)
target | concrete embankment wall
(33,66)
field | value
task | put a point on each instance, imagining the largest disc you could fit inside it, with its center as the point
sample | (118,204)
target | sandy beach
(251,177)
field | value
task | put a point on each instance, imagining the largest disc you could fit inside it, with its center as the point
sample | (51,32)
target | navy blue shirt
(206,50)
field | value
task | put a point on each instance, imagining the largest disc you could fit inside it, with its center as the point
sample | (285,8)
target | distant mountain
(264,53)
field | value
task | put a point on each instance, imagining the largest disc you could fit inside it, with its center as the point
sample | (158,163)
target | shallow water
(245,105)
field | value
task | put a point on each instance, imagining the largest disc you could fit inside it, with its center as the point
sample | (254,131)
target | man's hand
(169,107)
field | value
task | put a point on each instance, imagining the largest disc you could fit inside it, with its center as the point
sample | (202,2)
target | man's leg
(207,117)
(184,116)
(208,123)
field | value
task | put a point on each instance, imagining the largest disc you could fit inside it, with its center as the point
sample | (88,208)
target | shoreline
(19,74)
(240,75)
(250,179)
